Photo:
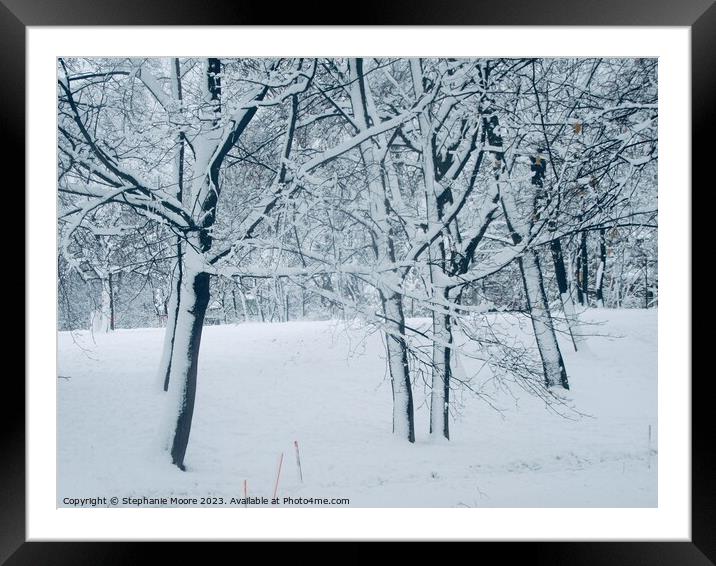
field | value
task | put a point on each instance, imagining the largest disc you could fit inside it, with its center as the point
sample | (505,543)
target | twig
(278,475)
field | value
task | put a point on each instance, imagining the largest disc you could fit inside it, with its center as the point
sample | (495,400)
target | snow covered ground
(263,386)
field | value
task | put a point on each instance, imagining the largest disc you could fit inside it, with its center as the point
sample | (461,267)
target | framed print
(421,280)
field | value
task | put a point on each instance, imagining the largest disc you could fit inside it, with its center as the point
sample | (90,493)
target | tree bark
(542,323)
(553,366)
(259,306)
(576,264)
(602,267)
(172,309)
(103,318)
(244,306)
(194,289)
(397,353)
(584,269)
(646,282)
(441,373)
(110,291)
(560,273)
(193,302)
(441,323)
(384,249)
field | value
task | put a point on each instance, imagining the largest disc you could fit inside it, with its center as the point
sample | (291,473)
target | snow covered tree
(371,188)
(132,169)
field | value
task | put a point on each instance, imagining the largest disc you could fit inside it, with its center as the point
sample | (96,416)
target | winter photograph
(357,282)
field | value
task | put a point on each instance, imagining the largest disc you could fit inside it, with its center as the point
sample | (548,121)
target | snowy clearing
(263,386)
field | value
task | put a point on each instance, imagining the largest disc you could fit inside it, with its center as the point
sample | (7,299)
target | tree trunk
(392,301)
(584,269)
(244,306)
(397,352)
(442,335)
(110,293)
(194,287)
(576,264)
(560,273)
(259,307)
(102,320)
(441,373)
(233,303)
(602,267)
(552,362)
(646,282)
(173,307)
(193,302)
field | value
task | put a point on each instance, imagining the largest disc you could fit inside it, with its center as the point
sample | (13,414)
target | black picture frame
(699,15)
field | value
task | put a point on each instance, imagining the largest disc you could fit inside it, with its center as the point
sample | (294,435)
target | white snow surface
(263,386)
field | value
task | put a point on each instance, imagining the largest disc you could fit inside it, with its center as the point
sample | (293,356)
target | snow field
(263,386)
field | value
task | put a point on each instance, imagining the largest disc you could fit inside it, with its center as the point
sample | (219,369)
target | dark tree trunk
(602,266)
(397,351)
(578,277)
(183,424)
(195,290)
(584,268)
(446,383)
(111,300)
(646,283)
(442,374)
(560,271)
(259,307)
(384,248)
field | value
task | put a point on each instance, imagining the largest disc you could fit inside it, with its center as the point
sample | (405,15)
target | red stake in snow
(278,475)
(246,494)
(298,461)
